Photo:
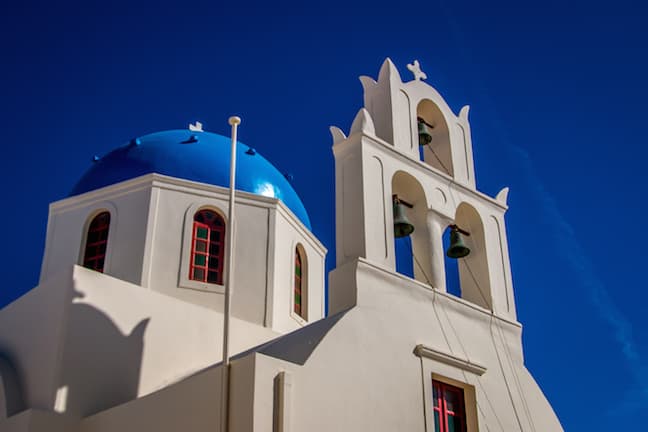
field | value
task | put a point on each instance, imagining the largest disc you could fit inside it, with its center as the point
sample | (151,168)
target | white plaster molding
(184,280)
(388,71)
(502,196)
(433,354)
(463,114)
(337,134)
(367,82)
(406,282)
(382,146)
(363,123)
(181,185)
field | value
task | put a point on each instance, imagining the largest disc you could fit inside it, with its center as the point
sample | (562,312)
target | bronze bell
(402,226)
(425,137)
(457,247)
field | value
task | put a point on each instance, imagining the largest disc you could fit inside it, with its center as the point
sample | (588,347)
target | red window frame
(449,408)
(207,247)
(297,294)
(94,255)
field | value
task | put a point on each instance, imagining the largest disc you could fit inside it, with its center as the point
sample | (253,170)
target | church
(124,331)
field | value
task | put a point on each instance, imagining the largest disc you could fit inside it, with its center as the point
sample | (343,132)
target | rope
(418,263)
(429,146)
(447,340)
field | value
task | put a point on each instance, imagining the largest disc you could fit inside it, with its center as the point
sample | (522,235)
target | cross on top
(415,68)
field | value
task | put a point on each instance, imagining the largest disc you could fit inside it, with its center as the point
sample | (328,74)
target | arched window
(94,256)
(207,247)
(299,290)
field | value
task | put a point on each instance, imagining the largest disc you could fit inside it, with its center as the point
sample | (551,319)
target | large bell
(402,226)
(424,134)
(457,247)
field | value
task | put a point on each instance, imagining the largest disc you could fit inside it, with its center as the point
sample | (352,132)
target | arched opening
(207,247)
(437,153)
(473,283)
(300,285)
(451,265)
(96,244)
(412,252)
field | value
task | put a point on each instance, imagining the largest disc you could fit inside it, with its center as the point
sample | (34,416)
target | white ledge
(449,359)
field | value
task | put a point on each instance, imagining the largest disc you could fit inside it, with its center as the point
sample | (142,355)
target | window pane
(199,274)
(202,232)
(93,236)
(453,426)
(200,260)
(214,249)
(201,246)
(451,400)
(212,277)
(437,426)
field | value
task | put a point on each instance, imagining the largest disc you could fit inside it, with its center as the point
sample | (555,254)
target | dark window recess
(297,303)
(94,256)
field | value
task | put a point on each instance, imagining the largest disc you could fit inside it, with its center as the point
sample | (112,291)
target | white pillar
(436,224)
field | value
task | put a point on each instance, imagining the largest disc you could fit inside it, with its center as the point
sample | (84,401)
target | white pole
(234,122)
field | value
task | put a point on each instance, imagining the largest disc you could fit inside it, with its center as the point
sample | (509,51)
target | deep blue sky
(558,104)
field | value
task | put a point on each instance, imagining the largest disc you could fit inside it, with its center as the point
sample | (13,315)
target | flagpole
(234,121)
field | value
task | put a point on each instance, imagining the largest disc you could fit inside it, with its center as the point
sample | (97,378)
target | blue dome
(199,156)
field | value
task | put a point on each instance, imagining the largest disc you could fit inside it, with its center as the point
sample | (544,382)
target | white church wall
(287,236)
(368,357)
(170,243)
(68,221)
(190,405)
(32,332)
(123,342)
(33,420)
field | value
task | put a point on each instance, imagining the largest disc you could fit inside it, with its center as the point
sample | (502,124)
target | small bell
(424,134)
(457,247)
(402,226)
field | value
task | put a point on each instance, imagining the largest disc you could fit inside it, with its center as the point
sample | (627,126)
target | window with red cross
(449,408)
(207,247)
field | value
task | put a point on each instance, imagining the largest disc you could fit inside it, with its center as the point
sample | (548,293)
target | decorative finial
(196,127)
(415,68)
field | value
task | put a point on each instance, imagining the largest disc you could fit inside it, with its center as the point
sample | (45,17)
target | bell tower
(408,160)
